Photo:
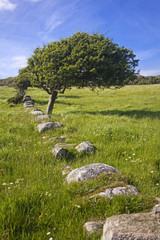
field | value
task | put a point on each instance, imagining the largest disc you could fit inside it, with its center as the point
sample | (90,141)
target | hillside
(10,81)
(124,127)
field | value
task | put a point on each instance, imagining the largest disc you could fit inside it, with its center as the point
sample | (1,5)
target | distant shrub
(16,99)
(142,80)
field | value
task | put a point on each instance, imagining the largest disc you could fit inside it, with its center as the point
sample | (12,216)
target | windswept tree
(81,60)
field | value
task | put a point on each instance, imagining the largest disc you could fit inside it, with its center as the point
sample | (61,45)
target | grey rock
(85,147)
(59,152)
(111,192)
(89,171)
(36,112)
(48,125)
(28,104)
(66,170)
(94,227)
(27,98)
(139,226)
(42,117)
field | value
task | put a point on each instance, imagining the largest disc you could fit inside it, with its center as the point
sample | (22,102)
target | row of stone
(28,102)
(138,226)
(141,226)
(58,151)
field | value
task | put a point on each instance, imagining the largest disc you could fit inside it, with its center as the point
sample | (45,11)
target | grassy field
(123,125)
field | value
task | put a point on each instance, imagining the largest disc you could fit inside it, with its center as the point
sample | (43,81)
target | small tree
(23,80)
(81,60)
(21,83)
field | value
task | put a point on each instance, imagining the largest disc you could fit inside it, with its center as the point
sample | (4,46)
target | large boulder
(139,226)
(48,125)
(85,147)
(111,192)
(89,171)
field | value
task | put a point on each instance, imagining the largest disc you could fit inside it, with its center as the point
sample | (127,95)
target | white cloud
(54,21)
(60,15)
(9,66)
(18,62)
(7,5)
(34,0)
(150,72)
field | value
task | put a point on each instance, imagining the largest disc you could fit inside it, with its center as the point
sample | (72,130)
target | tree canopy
(81,60)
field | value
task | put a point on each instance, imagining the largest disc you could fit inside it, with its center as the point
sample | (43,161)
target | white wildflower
(78,206)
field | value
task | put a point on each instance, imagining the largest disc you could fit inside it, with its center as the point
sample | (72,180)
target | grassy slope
(124,126)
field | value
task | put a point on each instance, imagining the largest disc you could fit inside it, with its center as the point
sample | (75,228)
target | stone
(28,104)
(85,147)
(139,226)
(42,117)
(94,227)
(89,171)
(36,112)
(59,152)
(66,170)
(111,192)
(48,125)
(27,98)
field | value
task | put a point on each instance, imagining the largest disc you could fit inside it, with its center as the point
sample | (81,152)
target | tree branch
(46,89)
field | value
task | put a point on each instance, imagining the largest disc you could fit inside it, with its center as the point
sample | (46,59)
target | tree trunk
(51,102)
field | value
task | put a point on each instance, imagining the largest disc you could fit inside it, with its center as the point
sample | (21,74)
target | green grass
(123,125)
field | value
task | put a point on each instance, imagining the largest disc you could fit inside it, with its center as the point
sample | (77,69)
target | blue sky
(27,24)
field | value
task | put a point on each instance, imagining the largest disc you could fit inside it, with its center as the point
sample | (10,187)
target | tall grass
(123,125)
